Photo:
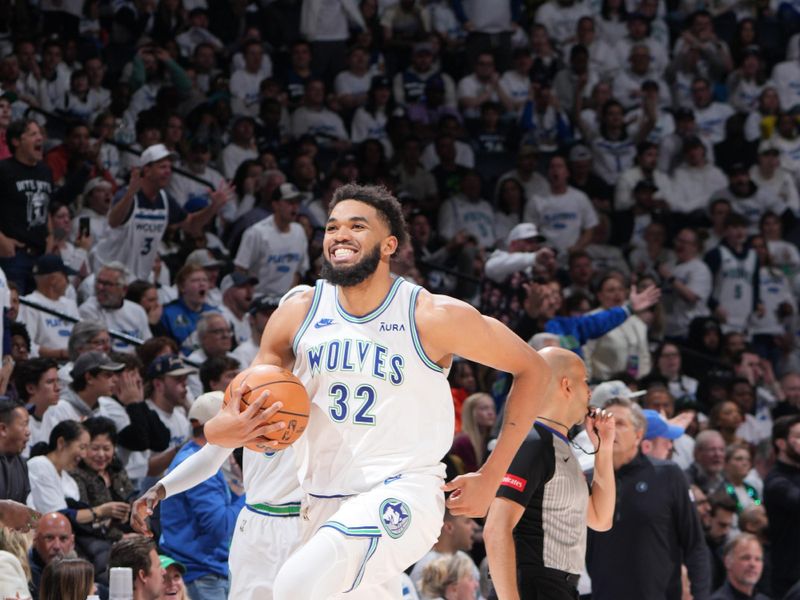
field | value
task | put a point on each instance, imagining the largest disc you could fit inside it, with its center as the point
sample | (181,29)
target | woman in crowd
(102,480)
(478,418)
(738,463)
(174,586)
(450,577)
(67,579)
(726,417)
(668,363)
(145,294)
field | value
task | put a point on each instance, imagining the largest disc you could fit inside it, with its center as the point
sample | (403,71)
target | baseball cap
(168,561)
(737,167)
(168,364)
(524,231)
(155,153)
(264,304)
(607,390)
(51,263)
(286,191)
(423,47)
(657,426)
(579,152)
(236,279)
(91,361)
(203,257)
(95,183)
(768,147)
(205,406)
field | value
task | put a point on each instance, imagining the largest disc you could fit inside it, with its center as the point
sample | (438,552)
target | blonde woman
(451,577)
(478,417)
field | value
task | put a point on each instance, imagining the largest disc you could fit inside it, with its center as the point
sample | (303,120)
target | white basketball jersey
(733,287)
(271,477)
(380,407)
(135,243)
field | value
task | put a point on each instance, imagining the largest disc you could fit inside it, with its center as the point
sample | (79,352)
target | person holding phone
(92,219)
(535,531)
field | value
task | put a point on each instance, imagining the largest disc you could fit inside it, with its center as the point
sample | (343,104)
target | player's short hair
(382,200)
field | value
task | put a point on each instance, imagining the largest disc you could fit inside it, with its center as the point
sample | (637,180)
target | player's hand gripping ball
(283,386)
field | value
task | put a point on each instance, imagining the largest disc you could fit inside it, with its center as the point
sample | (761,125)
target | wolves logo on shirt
(396,516)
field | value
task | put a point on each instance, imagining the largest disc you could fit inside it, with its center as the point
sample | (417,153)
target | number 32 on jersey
(356,404)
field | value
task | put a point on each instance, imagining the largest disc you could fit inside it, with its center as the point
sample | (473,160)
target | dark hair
(148,351)
(19,329)
(214,367)
(74,124)
(782,425)
(67,579)
(133,552)
(137,289)
(101,426)
(68,430)
(644,146)
(16,129)
(382,200)
(7,408)
(30,372)
(736,220)
(720,500)
(131,361)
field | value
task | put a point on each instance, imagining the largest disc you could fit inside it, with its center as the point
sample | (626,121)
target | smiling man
(373,352)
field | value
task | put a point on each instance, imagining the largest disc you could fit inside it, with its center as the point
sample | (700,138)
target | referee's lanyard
(556,433)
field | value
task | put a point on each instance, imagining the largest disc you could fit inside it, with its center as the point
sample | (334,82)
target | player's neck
(368,295)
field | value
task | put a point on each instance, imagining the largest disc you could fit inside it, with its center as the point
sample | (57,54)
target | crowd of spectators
(617,177)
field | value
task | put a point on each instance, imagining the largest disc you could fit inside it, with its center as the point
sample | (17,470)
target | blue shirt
(197,525)
(180,321)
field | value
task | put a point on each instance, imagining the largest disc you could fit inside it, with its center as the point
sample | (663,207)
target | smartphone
(83,227)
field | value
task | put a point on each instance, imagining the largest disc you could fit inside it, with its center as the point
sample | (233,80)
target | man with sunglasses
(536,527)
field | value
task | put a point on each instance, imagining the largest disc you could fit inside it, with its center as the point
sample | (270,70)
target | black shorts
(545,584)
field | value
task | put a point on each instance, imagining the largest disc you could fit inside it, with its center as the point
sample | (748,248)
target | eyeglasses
(220,332)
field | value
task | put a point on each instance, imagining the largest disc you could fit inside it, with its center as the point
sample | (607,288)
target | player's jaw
(346,268)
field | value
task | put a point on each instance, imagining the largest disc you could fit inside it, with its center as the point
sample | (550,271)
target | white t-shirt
(561,218)
(241,327)
(695,275)
(129,318)
(232,156)
(323,123)
(786,76)
(49,489)
(185,190)
(273,256)
(45,329)
(348,83)
(774,290)
(245,353)
(711,120)
(560,20)
(780,185)
(464,156)
(471,87)
(245,88)
(476,218)
(693,187)
(5,302)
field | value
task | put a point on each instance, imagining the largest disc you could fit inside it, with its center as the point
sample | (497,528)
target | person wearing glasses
(535,531)
(215,337)
(108,305)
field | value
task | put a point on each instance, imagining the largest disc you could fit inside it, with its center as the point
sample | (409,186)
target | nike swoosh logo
(323,323)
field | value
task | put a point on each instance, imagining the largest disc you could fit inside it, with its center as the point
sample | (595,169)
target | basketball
(284,387)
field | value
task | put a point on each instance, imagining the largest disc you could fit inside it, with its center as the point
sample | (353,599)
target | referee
(535,531)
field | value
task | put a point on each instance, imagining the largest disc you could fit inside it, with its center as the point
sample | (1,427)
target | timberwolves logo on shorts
(396,517)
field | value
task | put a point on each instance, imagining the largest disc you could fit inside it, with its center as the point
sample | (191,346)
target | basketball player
(373,352)
(536,528)
(271,513)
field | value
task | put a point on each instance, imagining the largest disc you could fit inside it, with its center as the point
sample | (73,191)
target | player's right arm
(498,534)
(231,428)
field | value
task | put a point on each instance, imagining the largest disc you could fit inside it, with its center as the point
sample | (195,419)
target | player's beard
(352,275)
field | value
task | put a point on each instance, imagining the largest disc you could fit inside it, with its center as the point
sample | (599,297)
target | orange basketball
(283,386)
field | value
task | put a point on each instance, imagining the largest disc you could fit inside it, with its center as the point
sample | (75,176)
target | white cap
(613,389)
(205,406)
(96,183)
(543,340)
(523,231)
(154,153)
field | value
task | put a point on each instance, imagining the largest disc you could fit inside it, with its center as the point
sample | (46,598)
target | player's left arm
(600,511)
(447,327)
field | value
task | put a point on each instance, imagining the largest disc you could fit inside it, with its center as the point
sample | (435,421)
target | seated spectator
(50,333)
(477,422)
(450,576)
(53,540)
(180,316)
(469,213)
(93,376)
(659,437)
(215,339)
(744,558)
(456,537)
(409,84)
(14,434)
(709,460)
(105,487)
(14,583)
(316,119)
(722,522)
(139,554)
(174,586)
(67,579)
(738,462)
(668,364)
(544,124)
(258,315)
(525,173)
(36,382)
(245,82)
(217,373)
(145,294)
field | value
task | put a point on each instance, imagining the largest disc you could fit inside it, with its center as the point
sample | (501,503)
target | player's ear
(389,246)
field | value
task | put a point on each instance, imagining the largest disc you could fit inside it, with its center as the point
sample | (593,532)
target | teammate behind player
(373,352)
